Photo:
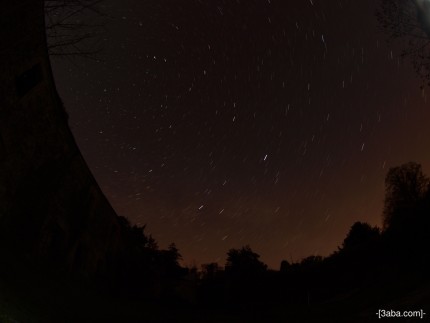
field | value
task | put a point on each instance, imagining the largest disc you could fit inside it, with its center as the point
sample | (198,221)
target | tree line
(369,256)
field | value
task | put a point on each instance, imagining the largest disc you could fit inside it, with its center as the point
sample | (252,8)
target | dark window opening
(28,80)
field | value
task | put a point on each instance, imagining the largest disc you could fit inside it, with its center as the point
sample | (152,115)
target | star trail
(225,123)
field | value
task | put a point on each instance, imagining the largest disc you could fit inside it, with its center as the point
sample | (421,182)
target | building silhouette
(51,207)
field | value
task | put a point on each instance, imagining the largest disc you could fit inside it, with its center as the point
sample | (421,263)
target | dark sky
(224,123)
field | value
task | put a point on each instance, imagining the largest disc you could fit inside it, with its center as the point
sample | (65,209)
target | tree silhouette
(311,262)
(173,255)
(405,189)
(244,260)
(407,215)
(409,20)
(360,236)
(285,266)
(209,270)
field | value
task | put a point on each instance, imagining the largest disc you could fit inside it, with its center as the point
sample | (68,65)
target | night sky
(225,123)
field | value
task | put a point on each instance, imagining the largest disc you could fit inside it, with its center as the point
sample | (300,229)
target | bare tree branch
(74,28)
(409,20)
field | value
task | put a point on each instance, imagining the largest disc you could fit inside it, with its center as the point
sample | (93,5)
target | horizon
(262,124)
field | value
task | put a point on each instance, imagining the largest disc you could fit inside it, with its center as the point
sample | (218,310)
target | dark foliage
(409,20)
(285,266)
(361,236)
(371,269)
(144,270)
(379,266)
(405,190)
(244,261)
